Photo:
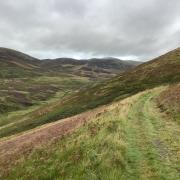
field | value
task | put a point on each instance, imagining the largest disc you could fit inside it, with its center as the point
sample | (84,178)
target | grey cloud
(82,28)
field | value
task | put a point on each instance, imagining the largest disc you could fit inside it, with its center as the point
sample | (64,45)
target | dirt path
(13,147)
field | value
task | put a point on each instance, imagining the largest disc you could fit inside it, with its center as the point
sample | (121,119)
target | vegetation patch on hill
(169,101)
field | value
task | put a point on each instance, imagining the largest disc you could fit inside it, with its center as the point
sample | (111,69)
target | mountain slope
(129,139)
(162,70)
(26,81)
(15,64)
(13,57)
(23,83)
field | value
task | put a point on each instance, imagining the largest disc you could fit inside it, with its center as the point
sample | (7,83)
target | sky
(127,29)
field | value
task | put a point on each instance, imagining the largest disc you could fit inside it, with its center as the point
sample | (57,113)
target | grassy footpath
(153,142)
(130,140)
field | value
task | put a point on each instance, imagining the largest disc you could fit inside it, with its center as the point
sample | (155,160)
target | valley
(90,90)
(63,125)
(29,85)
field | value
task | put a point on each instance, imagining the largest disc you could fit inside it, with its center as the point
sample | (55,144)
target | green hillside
(130,140)
(162,70)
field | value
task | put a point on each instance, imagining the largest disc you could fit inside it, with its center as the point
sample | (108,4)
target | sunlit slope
(131,139)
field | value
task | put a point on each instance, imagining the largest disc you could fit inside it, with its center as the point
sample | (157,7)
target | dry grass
(12,148)
(169,101)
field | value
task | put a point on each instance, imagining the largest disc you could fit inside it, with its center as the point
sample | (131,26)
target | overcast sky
(129,29)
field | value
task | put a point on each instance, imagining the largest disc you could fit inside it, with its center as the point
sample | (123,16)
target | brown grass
(169,100)
(12,148)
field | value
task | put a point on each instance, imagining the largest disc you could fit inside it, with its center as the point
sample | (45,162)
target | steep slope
(162,70)
(129,139)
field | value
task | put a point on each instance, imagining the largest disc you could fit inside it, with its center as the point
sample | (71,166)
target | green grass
(131,140)
(149,150)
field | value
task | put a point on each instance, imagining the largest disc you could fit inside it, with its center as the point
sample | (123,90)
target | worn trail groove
(153,141)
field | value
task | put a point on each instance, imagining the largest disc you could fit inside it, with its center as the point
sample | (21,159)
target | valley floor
(130,139)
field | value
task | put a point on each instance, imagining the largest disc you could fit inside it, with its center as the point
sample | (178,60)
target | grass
(130,140)
(160,71)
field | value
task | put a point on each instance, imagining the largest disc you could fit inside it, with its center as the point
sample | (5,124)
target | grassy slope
(131,140)
(162,70)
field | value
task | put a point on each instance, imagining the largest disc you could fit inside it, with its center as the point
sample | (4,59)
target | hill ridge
(12,59)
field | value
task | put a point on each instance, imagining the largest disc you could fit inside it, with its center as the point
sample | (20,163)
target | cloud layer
(128,29)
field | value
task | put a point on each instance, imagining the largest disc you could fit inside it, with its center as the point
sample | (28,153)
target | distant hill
(10,57)
(93,68)
(16,64)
